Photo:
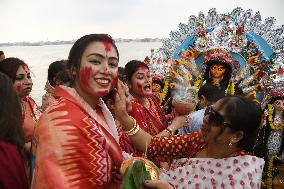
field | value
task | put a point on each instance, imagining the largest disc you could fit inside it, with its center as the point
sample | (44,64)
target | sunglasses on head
(215,117)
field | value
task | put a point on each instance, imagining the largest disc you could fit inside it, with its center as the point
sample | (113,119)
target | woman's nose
(28,81)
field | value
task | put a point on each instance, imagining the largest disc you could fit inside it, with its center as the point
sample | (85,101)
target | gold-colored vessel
(149,165)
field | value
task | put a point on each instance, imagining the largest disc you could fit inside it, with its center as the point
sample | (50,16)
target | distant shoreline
(42,43)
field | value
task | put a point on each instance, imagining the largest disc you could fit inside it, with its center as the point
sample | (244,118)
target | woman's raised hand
(120,108)
(180,121)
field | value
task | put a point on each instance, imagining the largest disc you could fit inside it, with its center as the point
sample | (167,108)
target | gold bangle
(171,132)
(168,132)
(135,130)
(133,127)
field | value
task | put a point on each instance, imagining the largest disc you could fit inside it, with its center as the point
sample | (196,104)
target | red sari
(152,120)
(78,150)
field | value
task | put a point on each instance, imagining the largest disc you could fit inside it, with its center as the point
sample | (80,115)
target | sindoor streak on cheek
(85,75)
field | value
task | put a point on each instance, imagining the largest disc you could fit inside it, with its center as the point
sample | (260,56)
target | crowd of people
(96,115)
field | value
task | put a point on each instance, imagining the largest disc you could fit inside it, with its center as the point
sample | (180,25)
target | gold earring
(230,143)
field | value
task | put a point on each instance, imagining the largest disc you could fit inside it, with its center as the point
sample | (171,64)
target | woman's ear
(237,137)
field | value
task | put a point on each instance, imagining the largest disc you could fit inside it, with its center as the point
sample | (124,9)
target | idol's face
(279,105)
(23,82)
(156,87)
(141,82)
(98,72)
(217,70)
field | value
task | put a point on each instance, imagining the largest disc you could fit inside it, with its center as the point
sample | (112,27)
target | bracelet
(136,129)
(170,131)
(133,127)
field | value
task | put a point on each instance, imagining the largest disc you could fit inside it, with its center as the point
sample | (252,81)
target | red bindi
(144,68)
(107,45)
(25,68)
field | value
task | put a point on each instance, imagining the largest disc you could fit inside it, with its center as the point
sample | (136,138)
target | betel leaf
(127,180)
(135,176)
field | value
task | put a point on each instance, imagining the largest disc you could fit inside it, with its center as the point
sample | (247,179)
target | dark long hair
(245,116)
(54,68)
(77,50)
(11,129)
(131,67)
(10,66)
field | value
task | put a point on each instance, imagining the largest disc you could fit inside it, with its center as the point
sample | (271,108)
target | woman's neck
(220,151)
(141,99)
(90,99)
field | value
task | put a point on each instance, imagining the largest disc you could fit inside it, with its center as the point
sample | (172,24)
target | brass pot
(149,165)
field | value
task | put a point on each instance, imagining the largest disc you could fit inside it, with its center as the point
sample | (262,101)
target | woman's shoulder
(7,150)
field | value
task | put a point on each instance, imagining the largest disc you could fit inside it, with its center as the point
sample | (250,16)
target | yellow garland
(199,81)
(270,118)
(231,88)
(165,91)
(268,181)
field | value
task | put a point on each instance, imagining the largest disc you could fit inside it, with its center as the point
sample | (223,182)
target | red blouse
(165,149)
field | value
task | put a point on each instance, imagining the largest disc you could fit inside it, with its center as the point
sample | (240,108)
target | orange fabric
(74,151)
(31,115)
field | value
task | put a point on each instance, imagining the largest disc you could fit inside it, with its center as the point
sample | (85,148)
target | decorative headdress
(219,55)
(254,49)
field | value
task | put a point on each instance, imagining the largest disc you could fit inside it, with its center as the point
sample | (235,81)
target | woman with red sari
(18,71)
(145,104)
(77,140)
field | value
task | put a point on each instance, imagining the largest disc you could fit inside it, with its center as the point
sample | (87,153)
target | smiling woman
(77,140)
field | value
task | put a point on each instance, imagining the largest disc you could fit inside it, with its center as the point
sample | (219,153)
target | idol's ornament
(237,52)
(159,67)
(270,141)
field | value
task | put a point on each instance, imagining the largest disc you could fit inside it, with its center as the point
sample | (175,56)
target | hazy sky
(35,20)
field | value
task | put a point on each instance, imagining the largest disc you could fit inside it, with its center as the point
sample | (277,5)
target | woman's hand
(180,121)
(158,184)
(120,108)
